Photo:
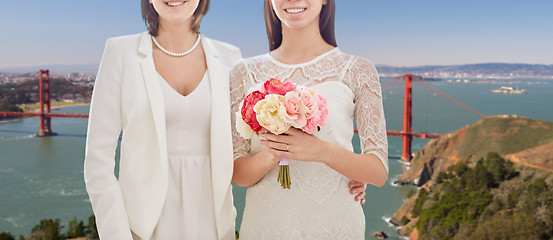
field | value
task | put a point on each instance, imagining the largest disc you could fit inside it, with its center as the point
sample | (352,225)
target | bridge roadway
(51,115)
(75,115)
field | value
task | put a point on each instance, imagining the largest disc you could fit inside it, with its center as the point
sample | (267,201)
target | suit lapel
(221,144)
(154,95)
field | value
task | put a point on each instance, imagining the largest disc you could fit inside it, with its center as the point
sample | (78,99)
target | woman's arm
(248,170)
(365,168)
(104,127)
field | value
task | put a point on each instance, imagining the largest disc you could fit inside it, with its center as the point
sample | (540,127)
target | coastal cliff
(528,140)
(495,173)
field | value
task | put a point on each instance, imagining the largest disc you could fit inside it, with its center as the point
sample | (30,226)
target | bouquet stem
(284,173)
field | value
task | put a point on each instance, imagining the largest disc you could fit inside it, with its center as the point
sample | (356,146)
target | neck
(300,45)
(176,38)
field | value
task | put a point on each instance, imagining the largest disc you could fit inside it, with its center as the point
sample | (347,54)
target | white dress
(188,211)
(318,204)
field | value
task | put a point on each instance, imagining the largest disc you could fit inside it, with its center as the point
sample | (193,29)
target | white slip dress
(188,212)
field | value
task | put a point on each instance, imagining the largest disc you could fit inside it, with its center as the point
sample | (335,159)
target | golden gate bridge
(407,134)
(44,106)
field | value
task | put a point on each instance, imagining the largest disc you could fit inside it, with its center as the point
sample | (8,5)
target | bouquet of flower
(277,106)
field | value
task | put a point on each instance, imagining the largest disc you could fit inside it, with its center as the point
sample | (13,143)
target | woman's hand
(248,170)
(359,189)
(296,144)
(270,156)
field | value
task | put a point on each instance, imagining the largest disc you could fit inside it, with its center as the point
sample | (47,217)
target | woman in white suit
(167,91)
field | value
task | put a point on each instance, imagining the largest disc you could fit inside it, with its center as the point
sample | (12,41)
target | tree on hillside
(76,229)
(461,196)
(6,236)
(8,107)
(47,229)
(499,168)
(92,229)
(422,196)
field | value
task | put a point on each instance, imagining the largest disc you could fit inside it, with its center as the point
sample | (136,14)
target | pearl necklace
(177,54)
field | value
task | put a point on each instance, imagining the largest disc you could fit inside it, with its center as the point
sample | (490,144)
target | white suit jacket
(127,98)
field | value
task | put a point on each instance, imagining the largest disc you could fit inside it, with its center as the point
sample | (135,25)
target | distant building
(73,76)
(508,90)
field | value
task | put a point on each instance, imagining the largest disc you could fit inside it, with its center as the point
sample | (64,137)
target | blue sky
(393,32)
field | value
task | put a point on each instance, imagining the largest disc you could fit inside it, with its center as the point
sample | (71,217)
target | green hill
(490,180)
(507,134)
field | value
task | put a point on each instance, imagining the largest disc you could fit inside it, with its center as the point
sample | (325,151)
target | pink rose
(320,118)
(248,114)
(310,127)
(261,88)
(275,86)
(323,111)
(294,112)
(309,103)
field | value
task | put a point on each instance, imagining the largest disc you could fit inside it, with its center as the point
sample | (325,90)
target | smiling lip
(175,3)
(295,10)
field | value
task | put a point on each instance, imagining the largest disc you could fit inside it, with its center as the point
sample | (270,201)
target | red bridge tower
(407,119)
(44,95)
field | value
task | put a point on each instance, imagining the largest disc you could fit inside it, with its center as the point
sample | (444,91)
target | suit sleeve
(104,127)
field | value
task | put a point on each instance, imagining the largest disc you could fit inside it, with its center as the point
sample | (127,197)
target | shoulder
(239,69)
(229,53)
(223,46)
(125,41)
(358,63)
(362,74)
(122,47)
(362,68)
(250,61)
(245,64)
(257,59)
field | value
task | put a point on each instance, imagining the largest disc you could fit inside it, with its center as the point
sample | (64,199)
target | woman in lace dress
(317,205)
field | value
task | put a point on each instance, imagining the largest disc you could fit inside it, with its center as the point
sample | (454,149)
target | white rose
(242,127)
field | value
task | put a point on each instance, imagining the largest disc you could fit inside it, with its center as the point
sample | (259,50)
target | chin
(178,19)
(301,22)
(297,25)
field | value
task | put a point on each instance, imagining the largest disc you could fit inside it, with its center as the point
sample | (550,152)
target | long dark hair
(274,25)
(151,18)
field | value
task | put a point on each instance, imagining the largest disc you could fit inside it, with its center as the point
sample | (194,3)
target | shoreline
(53,107)
(71,105)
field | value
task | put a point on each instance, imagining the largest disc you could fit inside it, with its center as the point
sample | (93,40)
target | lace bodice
(356,73)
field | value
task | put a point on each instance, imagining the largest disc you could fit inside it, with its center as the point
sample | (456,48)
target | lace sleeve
(369,113)
(238,91)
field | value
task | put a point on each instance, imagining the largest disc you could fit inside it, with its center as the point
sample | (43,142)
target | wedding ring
(287,147)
